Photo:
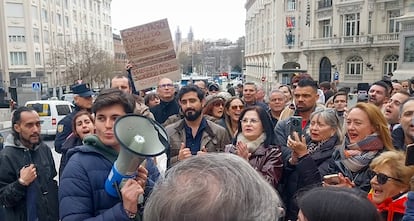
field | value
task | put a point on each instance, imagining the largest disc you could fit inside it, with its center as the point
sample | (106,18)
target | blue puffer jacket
(82,193)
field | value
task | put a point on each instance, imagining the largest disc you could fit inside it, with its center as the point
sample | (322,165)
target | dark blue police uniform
(64,127)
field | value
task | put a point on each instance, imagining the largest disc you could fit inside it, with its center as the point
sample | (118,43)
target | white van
(50,112)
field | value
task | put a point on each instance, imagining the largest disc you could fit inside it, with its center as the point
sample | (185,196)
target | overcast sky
(211,19)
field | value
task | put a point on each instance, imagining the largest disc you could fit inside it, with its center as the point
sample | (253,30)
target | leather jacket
(266,161)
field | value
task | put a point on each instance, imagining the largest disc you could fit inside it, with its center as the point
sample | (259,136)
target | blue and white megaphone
(139,137)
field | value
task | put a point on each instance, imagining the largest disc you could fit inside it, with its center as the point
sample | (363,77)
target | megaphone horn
(139,137)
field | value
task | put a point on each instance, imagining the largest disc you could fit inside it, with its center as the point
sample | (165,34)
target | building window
(351,24)
(37,58)
(326,28)
(370,23)
(325,4)
(354,65)
(390,64)
(291,5)
(46,36)
(36,35)
(59,19)
(66,21)
(16,34)
(290,38)
(18,58)
(44,15)
(74,15)
(393,25)
(35,14)
(14,10)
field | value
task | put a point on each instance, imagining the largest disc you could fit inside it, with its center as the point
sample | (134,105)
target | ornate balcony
(391,39)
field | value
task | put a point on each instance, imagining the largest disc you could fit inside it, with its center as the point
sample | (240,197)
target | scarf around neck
(358,155)
(252,145)
(329,143)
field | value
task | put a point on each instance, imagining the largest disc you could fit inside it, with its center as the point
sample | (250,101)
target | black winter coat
(14,196)
(307,173)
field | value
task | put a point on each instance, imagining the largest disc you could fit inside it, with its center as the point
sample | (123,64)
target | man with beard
(378,94)
(28,190)
(306,97)
(193,135)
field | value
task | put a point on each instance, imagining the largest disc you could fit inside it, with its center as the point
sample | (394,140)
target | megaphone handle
(118,190)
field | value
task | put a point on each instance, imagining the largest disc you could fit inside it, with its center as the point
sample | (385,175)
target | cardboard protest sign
(151,53)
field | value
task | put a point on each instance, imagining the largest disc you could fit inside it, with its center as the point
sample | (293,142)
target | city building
(405,68)
(34,40)
(346,42)
(209,57)
(120,55)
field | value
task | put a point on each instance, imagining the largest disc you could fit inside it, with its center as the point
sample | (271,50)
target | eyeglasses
(218,104)
(165,86)
(249,121)
(235,107)
(382,178)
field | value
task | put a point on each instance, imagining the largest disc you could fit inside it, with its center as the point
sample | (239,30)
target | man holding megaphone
(83,193)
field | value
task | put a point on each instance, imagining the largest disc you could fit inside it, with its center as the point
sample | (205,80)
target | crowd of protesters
(299,152)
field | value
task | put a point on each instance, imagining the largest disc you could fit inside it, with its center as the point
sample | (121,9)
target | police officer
(83,101)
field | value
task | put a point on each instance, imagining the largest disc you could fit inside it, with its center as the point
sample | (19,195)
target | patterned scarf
(358,155)
(331,142)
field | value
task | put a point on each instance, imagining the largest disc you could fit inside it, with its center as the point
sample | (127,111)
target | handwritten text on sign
(150,50)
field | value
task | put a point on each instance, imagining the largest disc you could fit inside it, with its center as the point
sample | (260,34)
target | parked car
(50,113)
(68,97)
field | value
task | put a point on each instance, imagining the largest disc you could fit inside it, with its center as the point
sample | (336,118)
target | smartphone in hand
(296,125)
(332,179)
(409,155)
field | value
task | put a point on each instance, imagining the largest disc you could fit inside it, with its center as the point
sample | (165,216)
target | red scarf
(391,206)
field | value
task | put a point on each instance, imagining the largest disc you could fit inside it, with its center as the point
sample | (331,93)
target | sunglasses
(382,178)
(218,104)
(235,107)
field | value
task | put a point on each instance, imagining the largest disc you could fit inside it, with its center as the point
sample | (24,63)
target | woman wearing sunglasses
(214,108)
(390,183)
(255,143)
(232,110)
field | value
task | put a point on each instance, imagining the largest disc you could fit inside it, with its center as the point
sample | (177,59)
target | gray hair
(278,92)
(329,116)
(404,103)
(214,186)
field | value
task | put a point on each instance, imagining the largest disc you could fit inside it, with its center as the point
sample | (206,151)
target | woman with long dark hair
(254,142)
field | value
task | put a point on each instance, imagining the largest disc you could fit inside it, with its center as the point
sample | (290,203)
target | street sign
(336,76)
(36,86)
